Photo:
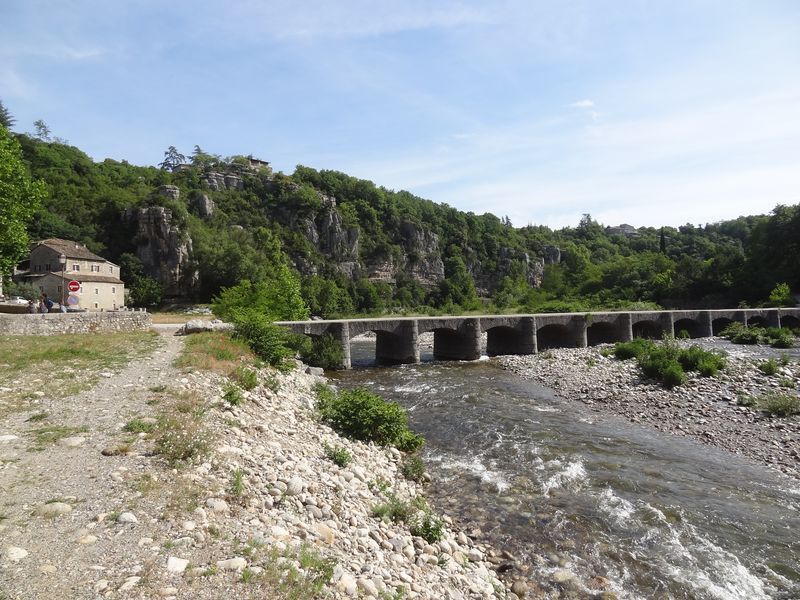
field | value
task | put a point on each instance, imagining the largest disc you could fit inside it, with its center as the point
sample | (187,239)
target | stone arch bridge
(459,338)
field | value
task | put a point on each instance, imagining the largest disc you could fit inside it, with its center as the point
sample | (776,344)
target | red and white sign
(74,286)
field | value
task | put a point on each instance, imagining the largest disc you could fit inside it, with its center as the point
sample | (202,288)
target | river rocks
(127,517)
(176,565)
(705,409)
(232,564)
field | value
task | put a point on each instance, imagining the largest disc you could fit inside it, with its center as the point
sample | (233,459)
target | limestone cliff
(162,248)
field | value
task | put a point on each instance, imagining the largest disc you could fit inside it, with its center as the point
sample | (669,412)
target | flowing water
(659,516)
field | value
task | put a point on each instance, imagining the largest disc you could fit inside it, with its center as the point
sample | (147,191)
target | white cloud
(582,104)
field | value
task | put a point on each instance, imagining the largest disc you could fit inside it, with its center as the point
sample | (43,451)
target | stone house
(100,286)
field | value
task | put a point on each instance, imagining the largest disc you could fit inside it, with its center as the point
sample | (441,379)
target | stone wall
(61,323)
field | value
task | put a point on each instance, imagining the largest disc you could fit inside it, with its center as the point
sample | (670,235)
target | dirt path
(57,535)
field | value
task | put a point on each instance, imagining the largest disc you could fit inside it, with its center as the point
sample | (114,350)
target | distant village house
(100,285)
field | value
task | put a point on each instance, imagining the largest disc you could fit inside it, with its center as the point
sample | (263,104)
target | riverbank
(705,409)
(99,500)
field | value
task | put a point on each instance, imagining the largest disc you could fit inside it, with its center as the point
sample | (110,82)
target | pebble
(8,438)
(130,582)
(72,442)
(15,554)
(217,505)
(176,565)
(232,564)
(127,517)
(54,509)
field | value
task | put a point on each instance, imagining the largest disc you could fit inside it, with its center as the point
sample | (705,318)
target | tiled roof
(84,277)
(70,249)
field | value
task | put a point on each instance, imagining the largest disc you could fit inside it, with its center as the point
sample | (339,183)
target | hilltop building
(628,231)
(54,262)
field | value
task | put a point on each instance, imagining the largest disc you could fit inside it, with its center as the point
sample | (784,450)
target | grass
(413,468)
(46,436)
(138,425)
(237,486)
(181,438)
(68,364)
(780,404)
(232,395)
(338,455)
(415,512)
(245,377)
(215,351)
(667,362)
(171,318)
(768,367)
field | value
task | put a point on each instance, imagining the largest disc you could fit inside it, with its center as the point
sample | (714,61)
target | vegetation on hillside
(739,261)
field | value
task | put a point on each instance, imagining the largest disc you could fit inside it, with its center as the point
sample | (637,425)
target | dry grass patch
(215,351)
(58,366)
(180,436)
(168,318)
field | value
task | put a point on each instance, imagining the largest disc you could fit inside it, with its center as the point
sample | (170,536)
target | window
(47,267)
(96,305)
(76,267)
(113,290)
(96,291)
(111,270)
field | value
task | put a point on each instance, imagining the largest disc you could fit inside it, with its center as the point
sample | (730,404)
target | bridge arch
(602,333)
(651,330)
(555,336)
(690,326)
(756,321)
(719,325)
(504,339)
(790,322)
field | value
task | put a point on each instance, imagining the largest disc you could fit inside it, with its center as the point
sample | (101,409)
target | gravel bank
(100,514)
(705,409)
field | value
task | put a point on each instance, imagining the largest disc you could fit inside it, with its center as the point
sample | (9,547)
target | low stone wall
(61,323)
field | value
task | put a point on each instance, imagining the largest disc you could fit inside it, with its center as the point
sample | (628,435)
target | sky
(642,112)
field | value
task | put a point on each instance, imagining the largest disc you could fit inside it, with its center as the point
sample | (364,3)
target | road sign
(74,286)
(72,300)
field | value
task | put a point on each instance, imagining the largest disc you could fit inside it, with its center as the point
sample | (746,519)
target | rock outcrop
(163,248)
(202,205)
(217,181)
(423,260)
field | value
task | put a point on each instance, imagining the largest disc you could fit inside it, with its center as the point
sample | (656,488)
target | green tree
(781,295)
(172,158)
(42,130)
(20,197)
(6,120)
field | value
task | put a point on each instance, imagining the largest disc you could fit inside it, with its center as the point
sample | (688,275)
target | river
(623,508)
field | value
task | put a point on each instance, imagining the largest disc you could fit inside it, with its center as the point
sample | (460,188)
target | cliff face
(422,255)
(163,250)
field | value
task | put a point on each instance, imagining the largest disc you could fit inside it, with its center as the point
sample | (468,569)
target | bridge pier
(400,346)
(706,324)
(579,326)
(462,344)
(341,333)
(625,325)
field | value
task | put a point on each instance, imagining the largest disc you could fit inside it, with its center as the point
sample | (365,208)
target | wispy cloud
(582,104)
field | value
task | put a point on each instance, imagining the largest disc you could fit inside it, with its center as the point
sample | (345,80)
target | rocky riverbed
(100,514)
(707,409)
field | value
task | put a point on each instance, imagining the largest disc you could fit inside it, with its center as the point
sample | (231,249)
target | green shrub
(363,415)
(237,483)
(738,333)
(780,338)
(746,400)
(323,351)
(268,341)
(339,455)
(785,360)
(427,526)
(780,404)
(632,349)
(697,359)
(233,395)
(768,367)
(247,378)
(138,425)
(394,509)
(413,468)
(673,375)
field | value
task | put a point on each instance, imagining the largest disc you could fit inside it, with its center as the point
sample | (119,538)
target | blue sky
(645,112)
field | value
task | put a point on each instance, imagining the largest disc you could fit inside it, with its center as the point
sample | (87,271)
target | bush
(697,359)
(427,526)
(780,404)
(413,468)
(768,367)
(323,351)
(740,334)
(232,395)
(780,338)
(363,415)
(673,375)
(632,349)
(340,456)
(247,378)
(267,341)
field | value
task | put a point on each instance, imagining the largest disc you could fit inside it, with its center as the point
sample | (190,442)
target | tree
(6,120)
(172,158)
(42,130)
(781,295)
(20,198)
